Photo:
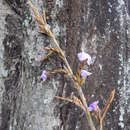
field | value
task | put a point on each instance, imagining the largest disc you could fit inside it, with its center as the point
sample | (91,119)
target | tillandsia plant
(78,78)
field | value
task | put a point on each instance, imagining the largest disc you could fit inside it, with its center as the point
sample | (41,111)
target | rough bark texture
(100,27)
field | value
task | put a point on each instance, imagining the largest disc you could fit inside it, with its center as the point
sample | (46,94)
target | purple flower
(89,61)
(93,106)
(85,73)
(82,56)
(44,75)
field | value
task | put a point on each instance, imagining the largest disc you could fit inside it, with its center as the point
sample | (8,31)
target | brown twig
(59,70)
(65,99)
(100,124)
(75,100)
(87,113)
(43,28)
(110,99)
(47,56)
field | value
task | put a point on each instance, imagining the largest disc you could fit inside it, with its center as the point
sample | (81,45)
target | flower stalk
(80,76)
(87,113)
(61,52)
(79,89)
(43,28)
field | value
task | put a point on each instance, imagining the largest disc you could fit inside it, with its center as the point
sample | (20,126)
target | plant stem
(57,45)
(79,89)
(44,29)
(109,100)
(87,113)
(100,125)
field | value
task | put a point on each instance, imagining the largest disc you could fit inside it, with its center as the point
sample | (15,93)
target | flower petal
(82,56)
(44,75)
(89,61)
(90,109)
(85,73)
(93,105)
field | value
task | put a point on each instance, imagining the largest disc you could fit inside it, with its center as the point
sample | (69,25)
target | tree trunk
(99,27)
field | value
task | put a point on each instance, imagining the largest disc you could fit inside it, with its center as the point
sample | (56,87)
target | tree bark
(99,27)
